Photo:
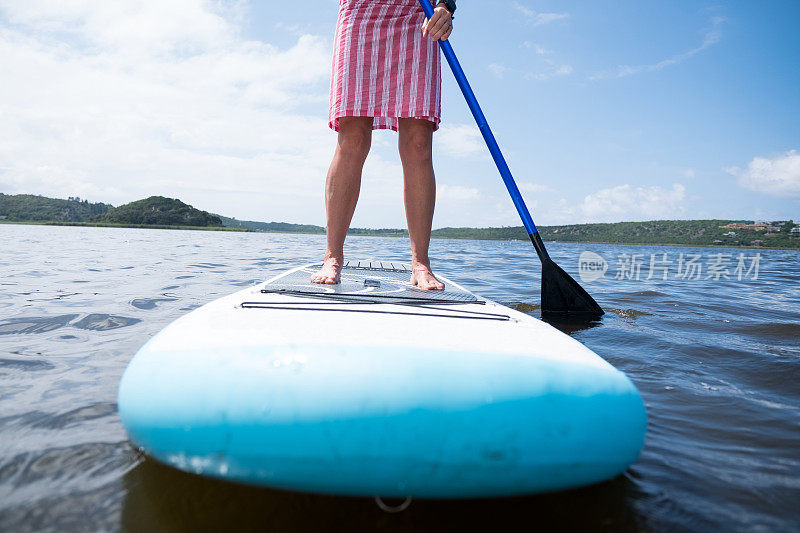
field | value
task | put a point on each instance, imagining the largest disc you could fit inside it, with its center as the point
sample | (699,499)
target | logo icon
(591,266)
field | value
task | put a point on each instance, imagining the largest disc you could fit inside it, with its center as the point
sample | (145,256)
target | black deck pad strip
(419,305)
(283,306)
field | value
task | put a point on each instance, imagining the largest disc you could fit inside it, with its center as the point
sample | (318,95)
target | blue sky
(606,111)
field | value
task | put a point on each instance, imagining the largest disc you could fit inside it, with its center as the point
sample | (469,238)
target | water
(717,362)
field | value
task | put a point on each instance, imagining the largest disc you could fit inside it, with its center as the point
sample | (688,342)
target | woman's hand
(439,26)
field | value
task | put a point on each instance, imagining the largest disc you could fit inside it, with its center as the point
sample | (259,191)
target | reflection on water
(717,362)
(161,498)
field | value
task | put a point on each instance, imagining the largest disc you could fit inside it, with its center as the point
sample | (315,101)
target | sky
(606,111)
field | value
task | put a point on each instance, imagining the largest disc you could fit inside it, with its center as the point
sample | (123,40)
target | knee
(354,140)
(417,146)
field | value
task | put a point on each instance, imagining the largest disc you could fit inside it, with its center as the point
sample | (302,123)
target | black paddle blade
(562,297)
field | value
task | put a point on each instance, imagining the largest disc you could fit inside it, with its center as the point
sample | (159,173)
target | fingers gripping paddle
(561,295)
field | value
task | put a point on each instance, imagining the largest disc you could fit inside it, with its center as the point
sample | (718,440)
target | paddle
(561,295)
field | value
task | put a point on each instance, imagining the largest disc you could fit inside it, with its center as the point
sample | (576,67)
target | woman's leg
(415,144)
(341,191)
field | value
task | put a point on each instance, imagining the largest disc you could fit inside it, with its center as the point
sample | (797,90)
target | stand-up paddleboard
(376,388)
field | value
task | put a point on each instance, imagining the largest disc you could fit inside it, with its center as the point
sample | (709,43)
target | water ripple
(102,322)
(38,324)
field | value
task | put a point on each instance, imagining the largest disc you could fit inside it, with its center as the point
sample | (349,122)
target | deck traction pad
(368,278)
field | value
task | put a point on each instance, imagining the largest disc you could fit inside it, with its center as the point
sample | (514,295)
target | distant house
(717,241)
(773,229)
(795,230)
(729,234)
(757,242)
(779,223)
(3,217)
(761,222)
(758,226)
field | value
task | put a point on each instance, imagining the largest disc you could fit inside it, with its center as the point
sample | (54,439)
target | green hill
(489,234)
(667,232)
(275,227)
(34,208)
(677,232)
(286,227)
(158,210)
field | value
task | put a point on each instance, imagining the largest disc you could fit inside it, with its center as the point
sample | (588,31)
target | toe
(433,284)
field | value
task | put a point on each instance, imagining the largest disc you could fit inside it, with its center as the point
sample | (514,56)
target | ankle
(420,262)
(338,257)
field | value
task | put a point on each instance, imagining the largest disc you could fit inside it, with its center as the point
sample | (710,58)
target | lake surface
(717,362)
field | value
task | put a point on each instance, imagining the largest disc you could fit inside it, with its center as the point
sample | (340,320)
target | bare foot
(330,272)
(422,277)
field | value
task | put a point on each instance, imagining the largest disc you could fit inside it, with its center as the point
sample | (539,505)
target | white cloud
(534,188)
(459,140)
(498,70)
(539,49)
(456,193)
(114,101)
(620,203)
(552,70)
(555,71)
(630,203)
(168,26)
(778,175)
(711,37)
(536,18)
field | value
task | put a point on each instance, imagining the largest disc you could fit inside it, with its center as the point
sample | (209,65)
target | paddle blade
(563,297)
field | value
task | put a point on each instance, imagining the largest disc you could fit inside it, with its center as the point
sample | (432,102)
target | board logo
(591,266)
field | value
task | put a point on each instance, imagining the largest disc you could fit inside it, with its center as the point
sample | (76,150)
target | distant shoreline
(712,246)
(159,212)
(112,225)
(365,233)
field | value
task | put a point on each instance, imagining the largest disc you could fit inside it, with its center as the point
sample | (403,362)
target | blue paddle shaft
(488,136)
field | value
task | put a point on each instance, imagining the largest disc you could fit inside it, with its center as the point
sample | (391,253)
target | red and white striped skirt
(382,65)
